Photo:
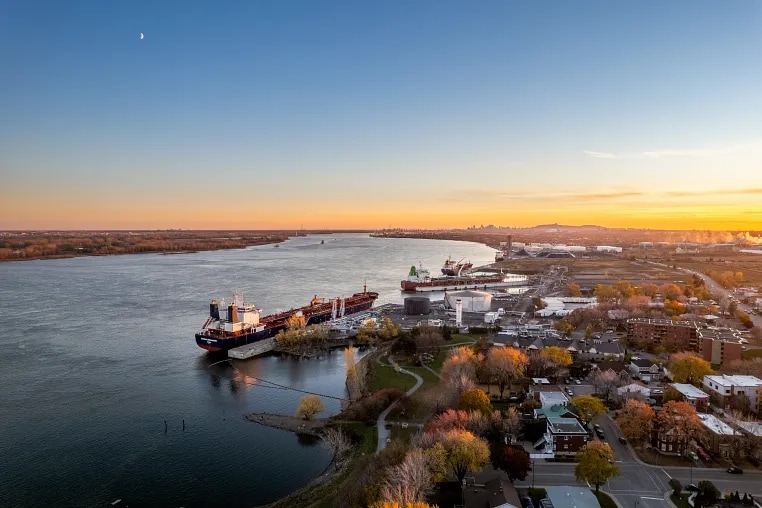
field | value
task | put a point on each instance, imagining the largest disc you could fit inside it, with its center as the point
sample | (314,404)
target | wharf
(290,423)
(250,350)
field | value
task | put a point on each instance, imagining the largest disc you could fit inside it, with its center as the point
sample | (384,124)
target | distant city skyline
(342,115)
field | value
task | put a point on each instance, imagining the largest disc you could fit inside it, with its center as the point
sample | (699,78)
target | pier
(251,350)
(290,423)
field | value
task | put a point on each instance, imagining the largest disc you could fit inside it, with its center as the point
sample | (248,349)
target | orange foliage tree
(636,419)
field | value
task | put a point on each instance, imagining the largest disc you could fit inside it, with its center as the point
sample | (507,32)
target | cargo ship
(419,279)
(239,323)
(451,268)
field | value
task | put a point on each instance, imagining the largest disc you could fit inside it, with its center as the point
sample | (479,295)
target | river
(98,352)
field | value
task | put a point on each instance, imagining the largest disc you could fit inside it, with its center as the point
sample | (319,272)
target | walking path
(383,433)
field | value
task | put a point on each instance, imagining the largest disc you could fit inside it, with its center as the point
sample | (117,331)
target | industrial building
(473,301)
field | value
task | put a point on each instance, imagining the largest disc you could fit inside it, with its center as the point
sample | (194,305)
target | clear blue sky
(423,113)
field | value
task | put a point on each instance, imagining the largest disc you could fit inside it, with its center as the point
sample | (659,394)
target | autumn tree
(751,367)
(595,464)
(559,356)
(388,329)
(459,371)
(589,330)
(309,406)
(463,451)
(356,374)
(605,294)
(679,419)
(588,407)
(505,365)
(508,423)
(688,368)
(565,327)
(636,419)
(649,289)
(475,400)
(514,460)
(673,308)
(625,289)
(448,420)
(296,321)
(573,289)
(670,291)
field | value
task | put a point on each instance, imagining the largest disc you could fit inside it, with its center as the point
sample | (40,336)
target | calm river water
(98,353)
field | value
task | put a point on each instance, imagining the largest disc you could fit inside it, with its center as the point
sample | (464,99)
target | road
(641,485)
(715,288)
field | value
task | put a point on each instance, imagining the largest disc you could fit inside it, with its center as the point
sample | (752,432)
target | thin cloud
(717,192)
(601,155)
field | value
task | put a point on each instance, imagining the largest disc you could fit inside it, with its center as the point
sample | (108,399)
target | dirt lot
(749,264)
(598,270)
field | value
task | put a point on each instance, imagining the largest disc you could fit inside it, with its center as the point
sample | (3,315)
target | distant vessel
(322,242)
(240,323)
(499,256)
(452,268)
(420,279)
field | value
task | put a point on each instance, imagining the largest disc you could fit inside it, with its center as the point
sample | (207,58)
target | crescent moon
(141,36)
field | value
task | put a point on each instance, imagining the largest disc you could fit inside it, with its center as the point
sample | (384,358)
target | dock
(251,350)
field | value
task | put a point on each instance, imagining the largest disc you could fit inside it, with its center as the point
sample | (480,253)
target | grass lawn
(369,435)
(605,500)
(403,434)
(651,456)
(680,501)
(387,377)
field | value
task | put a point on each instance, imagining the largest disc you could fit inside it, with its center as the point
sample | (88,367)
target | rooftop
(754,428)
(572,497)
(734,380)
(661,321)
(565,426)
(716,425)
(689,391)
(642,362)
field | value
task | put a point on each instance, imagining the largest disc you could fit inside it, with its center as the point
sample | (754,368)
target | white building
(473,301)
(550,399)
(733,390)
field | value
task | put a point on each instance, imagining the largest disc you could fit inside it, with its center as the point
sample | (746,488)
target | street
(641,485)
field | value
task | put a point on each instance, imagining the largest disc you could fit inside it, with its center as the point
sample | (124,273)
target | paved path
(383,433)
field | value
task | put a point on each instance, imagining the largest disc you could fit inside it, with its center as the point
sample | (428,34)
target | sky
(423,114)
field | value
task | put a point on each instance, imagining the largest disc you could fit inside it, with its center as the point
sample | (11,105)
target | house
(617,367)
(571,497)
(645,370)
(692,395)
(555,398)
(564,436)
(736,391)
(495,493)
(599,350)
(720,437)
(634,391)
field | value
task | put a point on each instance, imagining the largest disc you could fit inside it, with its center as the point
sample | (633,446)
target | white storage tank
(473,301)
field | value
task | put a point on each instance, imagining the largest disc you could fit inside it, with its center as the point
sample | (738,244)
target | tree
(605,294)
(649,289)
(514,460)
(309,406)
(395,504)
(388,329)
(673,308)
(589,330)
(588,407)
(505,365)
(410,481)
(565,327)
(463,451)
(676,486)
(595,464)
(573,289)
(688,368)
(707,494)
(337,442)
(605,384)
(356,374)
(475,400)
(448,420)
(296,322)
(508,423)
(680,420)
(459,371)
(671,291)
(625,289)
(560,356)
(429,339)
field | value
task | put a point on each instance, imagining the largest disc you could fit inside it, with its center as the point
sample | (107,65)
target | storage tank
(473,301)
(417,305)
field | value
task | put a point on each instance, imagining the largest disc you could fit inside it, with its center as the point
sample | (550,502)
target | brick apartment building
(672,335)
(565,435)
(719,346)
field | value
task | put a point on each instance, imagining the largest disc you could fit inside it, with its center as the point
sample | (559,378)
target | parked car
(691,488)
(622,440)
(735,470)
(600,434)
(576,381)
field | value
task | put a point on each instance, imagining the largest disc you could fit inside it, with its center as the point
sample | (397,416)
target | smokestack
(510,244)
(214,310)
(232,314)
(458,312)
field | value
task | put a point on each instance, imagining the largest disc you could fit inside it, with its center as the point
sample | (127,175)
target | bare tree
(429,339)
(509,423)
(478,423)
(410,481)
(605,384)
(338,443)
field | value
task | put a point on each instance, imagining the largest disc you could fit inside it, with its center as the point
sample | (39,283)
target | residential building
(672,335)
(571,497)
(600,350)
(719,346)
(495,493)
(634,391)
(565,436)
(692,395)
(615,366)
(720,437)
(550,399)
(736,391)
(646,370)
(557,411)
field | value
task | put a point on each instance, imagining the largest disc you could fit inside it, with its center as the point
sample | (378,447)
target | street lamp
(463,491)
(532,474)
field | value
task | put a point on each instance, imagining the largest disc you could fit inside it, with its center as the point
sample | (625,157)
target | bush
(370,407)
(676,486)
